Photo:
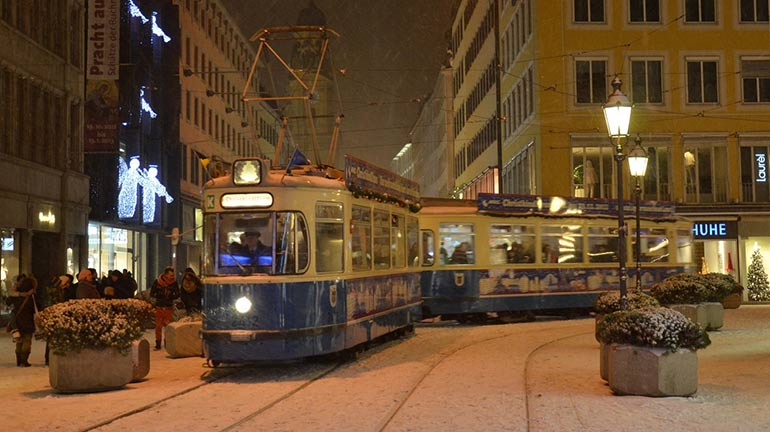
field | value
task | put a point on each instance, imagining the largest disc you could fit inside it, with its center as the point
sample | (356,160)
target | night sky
(392,51)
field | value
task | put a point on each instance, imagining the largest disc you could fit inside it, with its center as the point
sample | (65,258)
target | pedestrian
(130,282)
(122,286)
(164,290)
(23,320)
(86,286)
(192,292)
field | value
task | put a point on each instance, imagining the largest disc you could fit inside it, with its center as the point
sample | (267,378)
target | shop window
(646,81)
(457,243)
(561,244)
(754,174)
(702,81)
(656,182)
(9,265)
(511,244)
(705,173)
(644,11)
(593,168)
(696,11)
(591,81)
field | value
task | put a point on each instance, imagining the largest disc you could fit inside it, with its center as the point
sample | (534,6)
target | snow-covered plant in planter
(724,289)
(655,327)
(91,340)
(610,301)
(697,296)
(652,351)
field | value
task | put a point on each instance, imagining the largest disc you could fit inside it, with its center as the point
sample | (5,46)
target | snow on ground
(541,376)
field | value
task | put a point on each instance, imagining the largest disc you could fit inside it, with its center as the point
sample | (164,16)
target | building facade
(43,189)
(215,125)
(426,158)
(131,134)
(697,72)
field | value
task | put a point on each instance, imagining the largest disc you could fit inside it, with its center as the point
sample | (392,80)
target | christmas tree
(759,290)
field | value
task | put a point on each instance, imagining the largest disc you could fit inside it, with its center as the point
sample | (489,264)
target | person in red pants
(164,290)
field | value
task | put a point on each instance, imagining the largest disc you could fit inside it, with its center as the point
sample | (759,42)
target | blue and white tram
(515,257)
(297,265)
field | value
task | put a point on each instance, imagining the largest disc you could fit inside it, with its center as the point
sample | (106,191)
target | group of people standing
(26,300)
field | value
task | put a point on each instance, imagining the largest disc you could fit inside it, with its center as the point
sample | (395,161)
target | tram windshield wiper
(244,270)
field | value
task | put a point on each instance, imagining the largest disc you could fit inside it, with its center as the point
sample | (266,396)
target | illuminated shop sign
(46,218)
(761,159)
(136,183)
(715,230)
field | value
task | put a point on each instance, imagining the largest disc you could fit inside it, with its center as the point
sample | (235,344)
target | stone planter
(604,361)
(140,359)
(707,315)
(645,371)
(183,339)
(90,370)
(732,301)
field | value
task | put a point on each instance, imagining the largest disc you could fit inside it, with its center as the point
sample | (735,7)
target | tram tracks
(297,382)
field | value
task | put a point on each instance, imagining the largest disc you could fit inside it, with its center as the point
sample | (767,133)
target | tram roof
(307,176)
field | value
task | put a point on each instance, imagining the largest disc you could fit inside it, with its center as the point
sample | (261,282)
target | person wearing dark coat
(86,286)
(123,288)
(192,291)
(164,290)
(24,319)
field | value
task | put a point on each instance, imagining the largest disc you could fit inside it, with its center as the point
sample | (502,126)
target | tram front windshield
(248,243)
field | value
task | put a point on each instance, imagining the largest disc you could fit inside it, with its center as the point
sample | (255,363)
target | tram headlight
(247,172)
(243,305)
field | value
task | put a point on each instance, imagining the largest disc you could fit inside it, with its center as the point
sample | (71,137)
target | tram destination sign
(364,176)
(547,205)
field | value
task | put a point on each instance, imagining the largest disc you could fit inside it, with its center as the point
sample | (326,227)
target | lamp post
(637,165)
(617,114)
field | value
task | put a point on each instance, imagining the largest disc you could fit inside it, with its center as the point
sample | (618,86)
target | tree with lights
(759,290)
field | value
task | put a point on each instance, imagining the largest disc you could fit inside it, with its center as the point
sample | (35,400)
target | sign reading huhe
(715,230)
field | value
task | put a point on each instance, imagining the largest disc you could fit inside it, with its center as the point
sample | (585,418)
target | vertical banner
(102,72)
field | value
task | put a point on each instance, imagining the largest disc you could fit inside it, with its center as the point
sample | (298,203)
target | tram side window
(412,237)
(361,239)
(654,245)
(511,244)
(210,245)
(428,248)
(398,241)
(457,243)
(561,244)
(381,239)
(683,246)
(602,244)
(290,244)
(329,237)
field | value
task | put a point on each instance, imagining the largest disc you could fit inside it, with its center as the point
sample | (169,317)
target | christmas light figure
(150,188)
(146,105)
(156,30)
(128,182)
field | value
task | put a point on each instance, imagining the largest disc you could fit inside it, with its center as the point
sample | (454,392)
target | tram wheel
(213,363)
(509,317)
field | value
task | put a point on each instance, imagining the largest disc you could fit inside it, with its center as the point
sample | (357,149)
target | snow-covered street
(541,376)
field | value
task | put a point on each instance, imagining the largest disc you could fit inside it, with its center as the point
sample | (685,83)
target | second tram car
(297,265)
(515,256)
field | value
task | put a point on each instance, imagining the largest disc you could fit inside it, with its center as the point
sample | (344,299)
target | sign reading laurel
(363,176)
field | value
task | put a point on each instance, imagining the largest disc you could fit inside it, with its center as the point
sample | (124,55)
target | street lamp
(617,114)
(637,165)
